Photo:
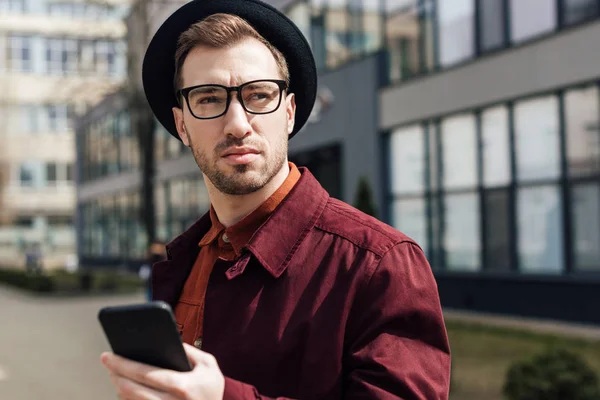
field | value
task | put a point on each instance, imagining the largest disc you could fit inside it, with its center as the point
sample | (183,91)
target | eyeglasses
(212,101)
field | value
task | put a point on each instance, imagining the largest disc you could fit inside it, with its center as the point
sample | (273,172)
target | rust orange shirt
(224,243)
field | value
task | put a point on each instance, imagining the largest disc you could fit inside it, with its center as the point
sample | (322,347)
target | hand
(137,381)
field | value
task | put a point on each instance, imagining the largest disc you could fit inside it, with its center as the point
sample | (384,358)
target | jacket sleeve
(396,340)
(236,390)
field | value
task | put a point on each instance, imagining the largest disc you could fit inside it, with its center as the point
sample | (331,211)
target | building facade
(476,124)
(56,59)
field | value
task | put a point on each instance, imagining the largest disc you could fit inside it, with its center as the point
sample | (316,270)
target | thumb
(198,357)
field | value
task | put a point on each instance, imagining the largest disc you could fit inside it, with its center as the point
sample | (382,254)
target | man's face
(238,152)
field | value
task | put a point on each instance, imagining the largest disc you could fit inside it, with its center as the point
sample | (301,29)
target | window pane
(575,11)
(337,36)
(408,160)
(582,117)
(411,219)
(537,139)
(433,157)
(455,31)
(540,229)
(461,234)
(70,174)
(495,147)
(585,215)
(26,175)
(372,23)
(531,18)
(434,251)
(300,14)
(491,24)
(402,32)
(459,151)
(497,230)
(51,173)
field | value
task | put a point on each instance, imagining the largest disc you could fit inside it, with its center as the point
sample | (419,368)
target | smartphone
(146,333)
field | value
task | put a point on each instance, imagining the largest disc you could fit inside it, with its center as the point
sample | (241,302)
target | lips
(240,155)
(239,151)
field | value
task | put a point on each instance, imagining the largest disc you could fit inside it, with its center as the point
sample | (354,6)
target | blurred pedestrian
(279,290)
(156,253)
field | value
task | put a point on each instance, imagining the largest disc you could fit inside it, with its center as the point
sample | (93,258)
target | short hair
(221,31)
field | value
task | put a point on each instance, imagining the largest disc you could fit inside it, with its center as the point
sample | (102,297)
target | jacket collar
(273,245)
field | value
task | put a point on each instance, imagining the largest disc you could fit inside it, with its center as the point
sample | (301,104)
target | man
(278,291)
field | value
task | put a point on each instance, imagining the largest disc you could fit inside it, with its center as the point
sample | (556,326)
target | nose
(236,120)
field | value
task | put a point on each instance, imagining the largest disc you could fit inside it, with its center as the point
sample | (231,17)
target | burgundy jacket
(324,303)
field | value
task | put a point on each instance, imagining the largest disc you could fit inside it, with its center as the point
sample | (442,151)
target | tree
(364,198)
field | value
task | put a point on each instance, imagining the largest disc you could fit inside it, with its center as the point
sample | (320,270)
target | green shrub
(556,374)
(24,280)
(62,281)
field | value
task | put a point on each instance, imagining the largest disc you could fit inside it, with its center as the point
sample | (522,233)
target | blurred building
(57,57)
(476,123)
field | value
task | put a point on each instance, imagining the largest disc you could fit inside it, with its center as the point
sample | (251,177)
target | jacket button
(198,343)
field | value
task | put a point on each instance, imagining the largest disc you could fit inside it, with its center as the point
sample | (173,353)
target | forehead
(242,62)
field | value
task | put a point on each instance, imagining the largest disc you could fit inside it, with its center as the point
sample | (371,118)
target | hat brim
(158,67)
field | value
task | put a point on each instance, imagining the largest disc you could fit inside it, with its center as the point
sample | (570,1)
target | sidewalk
(559,328)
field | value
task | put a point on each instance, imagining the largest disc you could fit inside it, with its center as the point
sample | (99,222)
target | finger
(163,380)
(131,390)
(199,357)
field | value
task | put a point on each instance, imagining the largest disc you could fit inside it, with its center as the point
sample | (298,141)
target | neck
(231,209)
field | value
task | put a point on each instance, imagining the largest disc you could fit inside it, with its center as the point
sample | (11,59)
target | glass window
(317,38)
(51,173)
(408,160)
(576,11)
(402,33)
(434,251)
(57,117)
(372,23)
(459,151)
(104,57)
(427,16)
(585,214)
(70,173)
(54,53)
(69,56)
(537,139)
(433,156)
(86,56)
(582,118)
(29,174)
(300,14)
(410,218)
(30,114)
(455,35)
(491,24)
(497,230)
(20,53)
(337,24)
(12,6)
(461,235)
(495,146)
(531,18)
(540,229)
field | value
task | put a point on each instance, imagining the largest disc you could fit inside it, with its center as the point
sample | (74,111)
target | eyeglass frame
(186,91)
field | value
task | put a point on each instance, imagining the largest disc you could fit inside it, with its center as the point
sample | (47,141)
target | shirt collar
(273,244)
(239,234)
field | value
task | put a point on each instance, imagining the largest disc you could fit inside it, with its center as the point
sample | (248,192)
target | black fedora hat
(158,68)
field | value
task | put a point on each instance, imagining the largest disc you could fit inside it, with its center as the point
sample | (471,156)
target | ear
(290,102)
(180,125)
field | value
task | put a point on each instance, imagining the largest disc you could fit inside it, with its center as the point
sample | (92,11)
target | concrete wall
(567,58)
(351,121)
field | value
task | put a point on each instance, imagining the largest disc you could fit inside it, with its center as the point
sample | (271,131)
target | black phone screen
(145,333)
